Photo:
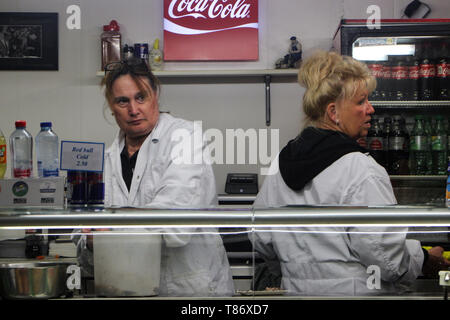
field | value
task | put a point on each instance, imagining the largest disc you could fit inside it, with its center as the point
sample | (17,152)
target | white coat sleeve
(185,184)
(400,260)
(262,241)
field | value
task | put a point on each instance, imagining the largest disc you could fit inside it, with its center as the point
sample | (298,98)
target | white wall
(71,97)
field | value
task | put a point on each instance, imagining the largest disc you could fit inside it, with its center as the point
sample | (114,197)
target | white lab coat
(337,262)
(191,264)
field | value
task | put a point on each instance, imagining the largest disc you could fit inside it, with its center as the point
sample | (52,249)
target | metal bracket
(267,80)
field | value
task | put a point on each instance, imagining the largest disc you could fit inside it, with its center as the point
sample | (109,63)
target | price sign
(82,156)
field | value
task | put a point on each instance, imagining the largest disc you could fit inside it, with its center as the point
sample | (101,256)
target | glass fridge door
(406,67)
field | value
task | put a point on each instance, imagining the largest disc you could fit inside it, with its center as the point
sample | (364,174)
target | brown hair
(329,77)
(137,69)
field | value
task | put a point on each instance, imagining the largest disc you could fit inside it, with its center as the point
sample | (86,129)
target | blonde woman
(325,165)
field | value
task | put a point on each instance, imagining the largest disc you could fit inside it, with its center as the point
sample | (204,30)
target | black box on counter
(32,192)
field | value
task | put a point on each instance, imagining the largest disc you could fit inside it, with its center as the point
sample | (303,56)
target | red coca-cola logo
(414,72)
(400,73)
(376,70)
(427,70)
(375,144)
(209,9)
(211,29)
(443,70)
(387,72)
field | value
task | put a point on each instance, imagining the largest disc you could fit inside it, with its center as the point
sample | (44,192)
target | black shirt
(128,164)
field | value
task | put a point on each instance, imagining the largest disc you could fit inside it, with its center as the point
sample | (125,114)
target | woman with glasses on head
(142,170)
(325,165)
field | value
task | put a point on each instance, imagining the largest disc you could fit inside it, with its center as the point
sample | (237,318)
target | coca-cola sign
(210,30)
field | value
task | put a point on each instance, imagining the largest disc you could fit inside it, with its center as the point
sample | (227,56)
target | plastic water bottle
(47,151)
(439,148)
(21,144)
(418,148)
(2,155)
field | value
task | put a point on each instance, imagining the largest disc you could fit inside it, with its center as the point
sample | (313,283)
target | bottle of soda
(375,141)
(2,155)
(385,93)
(33,243)
(376,69)
(386,134)
(407,137)
(404,168)
(21,144)
(413,79)
(399,75)
(443,73)
(427,73)
(447,195)
(47,151)
(439,148)
(428,131)
(397,155)
(448,138)
(418,148)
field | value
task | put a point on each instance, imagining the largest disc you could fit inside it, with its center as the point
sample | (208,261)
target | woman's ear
(331,113)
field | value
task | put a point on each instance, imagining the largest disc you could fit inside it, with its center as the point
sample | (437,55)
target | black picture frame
(28,41)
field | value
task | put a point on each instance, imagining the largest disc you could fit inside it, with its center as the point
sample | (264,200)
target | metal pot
(33,280)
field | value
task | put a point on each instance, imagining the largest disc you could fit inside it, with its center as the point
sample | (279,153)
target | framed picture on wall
(28,41)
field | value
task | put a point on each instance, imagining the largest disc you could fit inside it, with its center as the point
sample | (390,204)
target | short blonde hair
(330,77)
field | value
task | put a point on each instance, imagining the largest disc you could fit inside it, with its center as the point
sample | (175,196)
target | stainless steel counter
(327,216)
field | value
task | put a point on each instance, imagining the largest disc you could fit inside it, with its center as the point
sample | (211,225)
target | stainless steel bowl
(33,280)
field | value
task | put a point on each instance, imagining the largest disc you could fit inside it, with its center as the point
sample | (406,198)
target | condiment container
(111,43)
(127,262)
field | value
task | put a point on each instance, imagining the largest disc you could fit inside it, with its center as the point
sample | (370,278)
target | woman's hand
(435,263)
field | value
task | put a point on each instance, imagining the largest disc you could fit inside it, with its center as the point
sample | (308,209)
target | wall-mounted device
(241,183)
(417,9)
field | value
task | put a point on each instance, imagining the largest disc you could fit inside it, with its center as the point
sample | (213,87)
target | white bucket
(127,263)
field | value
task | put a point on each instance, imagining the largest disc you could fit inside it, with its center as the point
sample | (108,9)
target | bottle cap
(21,124)
(112,26)
(46,124)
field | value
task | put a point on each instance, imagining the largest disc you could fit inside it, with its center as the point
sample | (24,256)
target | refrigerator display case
(410,60)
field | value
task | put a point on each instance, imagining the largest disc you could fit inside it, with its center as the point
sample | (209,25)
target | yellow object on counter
(445,254)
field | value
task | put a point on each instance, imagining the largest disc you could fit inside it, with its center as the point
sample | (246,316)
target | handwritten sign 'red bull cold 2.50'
(82,156)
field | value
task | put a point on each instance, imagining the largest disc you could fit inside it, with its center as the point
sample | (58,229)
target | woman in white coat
(325,165)
(143,169)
